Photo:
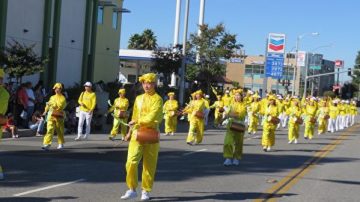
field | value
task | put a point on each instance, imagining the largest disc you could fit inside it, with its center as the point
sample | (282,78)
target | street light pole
(296,65)
(177,24)
(183,62)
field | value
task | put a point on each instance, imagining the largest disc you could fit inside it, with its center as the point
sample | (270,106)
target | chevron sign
(276,43)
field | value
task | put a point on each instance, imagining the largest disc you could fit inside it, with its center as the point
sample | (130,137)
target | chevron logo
(276,45)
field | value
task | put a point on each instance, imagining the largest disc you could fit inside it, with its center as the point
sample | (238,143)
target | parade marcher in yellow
(233,142)
(281,108)
(333,113)
(253,113)
(54,111)
(147,113)
(310,118)
(323,114)
(353,112)
(207,109)
(294,112)
(347,115)
(271,121)
(227,99)
(219,110)
(342,114)
(170,114)
(196,118)
(4,101)
(119,109)
(87,102)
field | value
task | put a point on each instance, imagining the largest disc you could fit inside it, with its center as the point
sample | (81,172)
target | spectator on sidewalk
(40,94)
(37,123)
(30,102)
(11,127)
(21,105)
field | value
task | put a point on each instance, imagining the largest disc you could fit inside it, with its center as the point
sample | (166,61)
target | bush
(329,94)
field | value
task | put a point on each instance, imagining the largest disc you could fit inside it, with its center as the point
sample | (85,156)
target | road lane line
(295,175)
(193,152)
(48,187)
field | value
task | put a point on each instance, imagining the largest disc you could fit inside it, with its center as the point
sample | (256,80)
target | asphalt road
(323,169)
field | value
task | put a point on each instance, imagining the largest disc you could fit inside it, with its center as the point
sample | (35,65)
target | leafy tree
(20,60)
(356,73)
(166,62)
(213,44)
(145,41)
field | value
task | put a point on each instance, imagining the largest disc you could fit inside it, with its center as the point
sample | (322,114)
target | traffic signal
(349,71)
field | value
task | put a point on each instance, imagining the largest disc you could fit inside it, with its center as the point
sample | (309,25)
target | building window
(254,69)
(114,19)
(131,78)
(100,18)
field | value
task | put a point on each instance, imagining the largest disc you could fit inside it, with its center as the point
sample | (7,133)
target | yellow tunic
(120,104)
(88,99)
(170,110)
(196,129)
(4,101)
(268,137)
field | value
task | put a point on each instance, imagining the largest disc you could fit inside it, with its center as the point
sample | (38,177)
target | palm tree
(145,41)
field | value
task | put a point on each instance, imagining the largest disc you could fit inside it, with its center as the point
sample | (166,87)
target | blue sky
(337,22)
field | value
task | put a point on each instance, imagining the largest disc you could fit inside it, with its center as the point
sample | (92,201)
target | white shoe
(296,141)
(172,134)
(254,133)
(60,146)
(290,142)
(268,149)
(129,194)
(46,147)
(236,162)
(122,138)
(227,162)
(77,138)
(84,137)
(145,196)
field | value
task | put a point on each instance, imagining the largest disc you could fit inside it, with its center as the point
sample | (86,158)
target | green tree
(144,41)
(356,74)
(213,44)
(20,60)
(166,62)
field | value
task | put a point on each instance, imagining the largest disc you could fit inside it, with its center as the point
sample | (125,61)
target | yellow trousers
(116,125)
(218,117)
(196,130)
(253,124)
(322,125)
(309,129)
(54,125)
(268,136)
(170,124)
(149,154)
(233,144)
(293,131)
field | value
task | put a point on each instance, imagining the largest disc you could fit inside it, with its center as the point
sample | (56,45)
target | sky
(336,21)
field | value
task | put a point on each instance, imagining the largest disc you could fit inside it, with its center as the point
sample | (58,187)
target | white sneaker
(268,149)
(145,196)
(227,162)
(84,137)
(46,147)
(236,162)
(77,138)
(296,141)
(129,194)
(60,146)
(172,134)
(290,142)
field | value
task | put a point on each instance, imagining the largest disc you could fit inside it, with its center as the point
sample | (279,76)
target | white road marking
(193,152)
(48,187)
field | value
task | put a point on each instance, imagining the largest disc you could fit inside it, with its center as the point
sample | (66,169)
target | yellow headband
(121,91)
(57,85)
(199,92)
(171,94)
(148,78)
(2,73)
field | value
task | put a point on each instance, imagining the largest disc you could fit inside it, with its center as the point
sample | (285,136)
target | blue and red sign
(276,43)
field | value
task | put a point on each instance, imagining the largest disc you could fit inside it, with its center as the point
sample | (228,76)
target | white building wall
(72,25)
(27,15)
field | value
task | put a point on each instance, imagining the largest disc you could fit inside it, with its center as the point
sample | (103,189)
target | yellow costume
(233,142)
(321,113)
(254,110)
(88,101)
(170,115)
(294,114)
(57,103)
(196,129)
(147,112)
(4,99)
(268,136)
(120,105)
(310,113)
(218,105)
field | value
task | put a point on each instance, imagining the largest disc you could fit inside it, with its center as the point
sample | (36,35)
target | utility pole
(183,62)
